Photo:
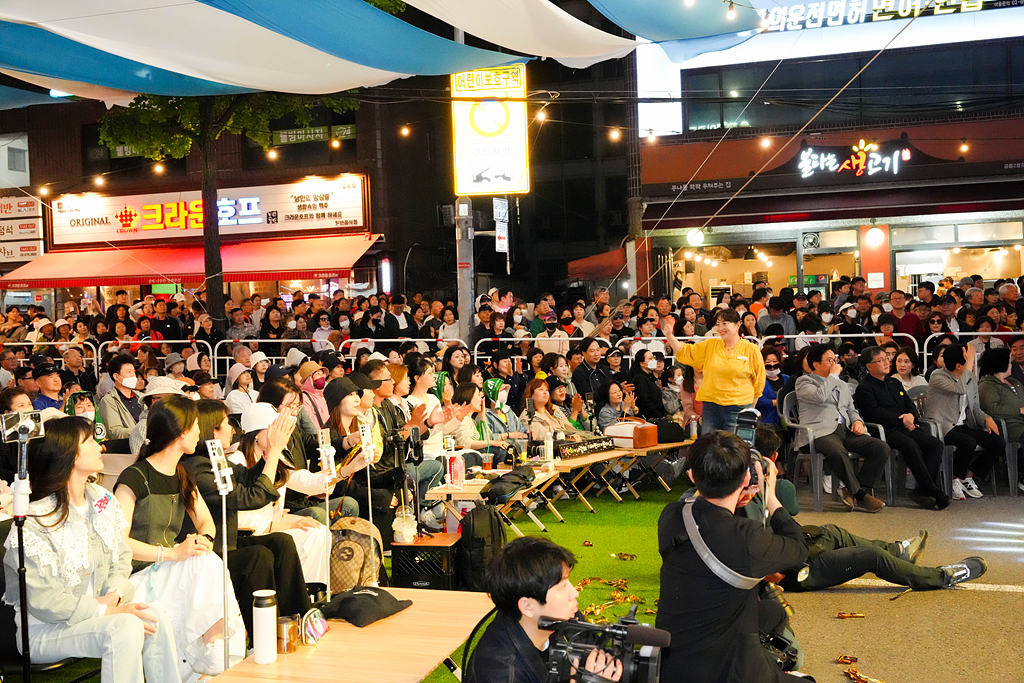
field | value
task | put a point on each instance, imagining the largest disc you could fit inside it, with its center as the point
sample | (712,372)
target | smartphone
(366,439)
(12,421)
(217,458)
(323,437)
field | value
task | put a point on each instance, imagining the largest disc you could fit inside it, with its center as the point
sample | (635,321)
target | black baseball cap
(44,370)
(363,381)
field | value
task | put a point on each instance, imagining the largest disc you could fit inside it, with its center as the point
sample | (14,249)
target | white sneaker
(970,488)
(826,483)
(958,490)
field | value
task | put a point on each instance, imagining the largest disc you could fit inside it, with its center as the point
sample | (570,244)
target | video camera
(637,646)
(746,429)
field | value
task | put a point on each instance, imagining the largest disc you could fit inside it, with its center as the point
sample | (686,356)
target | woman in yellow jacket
(733,372)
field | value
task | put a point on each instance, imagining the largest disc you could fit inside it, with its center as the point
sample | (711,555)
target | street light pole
(464,263)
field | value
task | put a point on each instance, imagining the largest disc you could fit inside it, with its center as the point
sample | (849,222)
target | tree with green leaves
(158,127)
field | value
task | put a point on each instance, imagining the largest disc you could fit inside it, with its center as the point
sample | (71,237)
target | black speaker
(663,272)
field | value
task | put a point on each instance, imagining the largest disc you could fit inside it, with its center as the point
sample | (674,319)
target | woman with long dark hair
(77,565)
(185,579)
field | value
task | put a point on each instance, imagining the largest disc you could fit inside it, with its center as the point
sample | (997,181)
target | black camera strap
(719,568)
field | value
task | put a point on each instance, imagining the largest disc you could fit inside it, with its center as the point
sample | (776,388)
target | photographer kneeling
(714,625)
(528,579)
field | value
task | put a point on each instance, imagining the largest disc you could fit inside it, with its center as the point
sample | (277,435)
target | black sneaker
(967,569)
(913,547)
(941,501)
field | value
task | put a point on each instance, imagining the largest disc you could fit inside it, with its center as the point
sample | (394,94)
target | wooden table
(403,648)
(520,500)
(585,464)
(635,457)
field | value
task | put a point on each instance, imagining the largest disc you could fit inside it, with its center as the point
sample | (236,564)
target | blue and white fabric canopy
(116,48)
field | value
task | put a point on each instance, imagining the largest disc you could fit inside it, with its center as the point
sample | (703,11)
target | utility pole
(464,263)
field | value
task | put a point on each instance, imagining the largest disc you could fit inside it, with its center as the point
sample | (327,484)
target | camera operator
(528,579)
(714,626)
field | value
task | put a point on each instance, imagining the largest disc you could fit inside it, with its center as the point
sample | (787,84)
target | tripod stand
(222,475)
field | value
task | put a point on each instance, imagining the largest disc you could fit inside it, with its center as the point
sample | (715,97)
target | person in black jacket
(590,375)
(881,399)
(714,625)
(268,561)
(528,579)
(648,393)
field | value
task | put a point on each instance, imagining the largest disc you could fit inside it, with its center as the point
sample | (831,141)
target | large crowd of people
(151,378)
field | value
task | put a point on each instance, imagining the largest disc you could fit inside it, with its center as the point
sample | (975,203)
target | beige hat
(256,358)
(257,417)
(307,369)
(234,372)
(163,385)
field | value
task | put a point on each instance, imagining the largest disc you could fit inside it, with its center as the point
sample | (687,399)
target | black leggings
(268,561)
(965,440)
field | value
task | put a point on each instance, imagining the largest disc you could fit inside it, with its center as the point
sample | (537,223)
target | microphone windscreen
(645,635)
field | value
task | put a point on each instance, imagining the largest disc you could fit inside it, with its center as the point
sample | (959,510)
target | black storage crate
(428,563)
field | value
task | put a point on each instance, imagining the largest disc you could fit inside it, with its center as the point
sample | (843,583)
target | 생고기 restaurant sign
(334,205)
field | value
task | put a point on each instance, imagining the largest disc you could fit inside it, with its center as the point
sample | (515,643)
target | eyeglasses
(935,322)
(770,367)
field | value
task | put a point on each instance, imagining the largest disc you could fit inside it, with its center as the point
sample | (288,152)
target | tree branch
(225,118)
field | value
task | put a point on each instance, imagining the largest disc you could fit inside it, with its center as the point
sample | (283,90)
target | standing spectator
(777,315)
(398,323)
(271,327)
(240,329)
(881,399)
(733,372)
(905,321)
(827,408)
(164,324)
(954,405)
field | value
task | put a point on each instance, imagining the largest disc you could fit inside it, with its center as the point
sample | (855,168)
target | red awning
(606,266)
(311,258)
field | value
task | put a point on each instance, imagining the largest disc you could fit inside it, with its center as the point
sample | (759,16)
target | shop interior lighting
(714,264)
(768,263)
(1016,246)
(689,255)
(749,256)
(956,250)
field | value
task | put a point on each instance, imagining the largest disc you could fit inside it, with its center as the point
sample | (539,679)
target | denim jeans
(716,416)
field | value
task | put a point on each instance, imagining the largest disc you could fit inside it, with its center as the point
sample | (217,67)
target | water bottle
(693,428)
(549,447)
(264,626)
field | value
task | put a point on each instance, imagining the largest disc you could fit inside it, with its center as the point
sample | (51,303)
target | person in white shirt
(241,391)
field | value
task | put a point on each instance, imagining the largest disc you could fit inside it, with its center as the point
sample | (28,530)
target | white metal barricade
(841,337)
(1005,337)
(94,362)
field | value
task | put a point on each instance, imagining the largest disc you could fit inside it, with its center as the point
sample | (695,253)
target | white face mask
(129,382)
(344,323)
(678,381)
(517,318)
(851,315)
(741,311)
(652,364)
(875,317)
(89,415)
(826,317)
(772,373)
(888,307)
(291,324)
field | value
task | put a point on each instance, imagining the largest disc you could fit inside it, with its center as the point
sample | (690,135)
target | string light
(614,134)
(731,14)
(542,115)
(768,263)
(158,168)
(272,154)
(405,131)
(766,142)
(963,145)
(98,180)
(714,263)
(689,255)
(45,190)
(651,137)
(335,143)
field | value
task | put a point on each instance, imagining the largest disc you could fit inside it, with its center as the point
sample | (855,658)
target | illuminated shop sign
(312,204)
(797,17)
(865,160)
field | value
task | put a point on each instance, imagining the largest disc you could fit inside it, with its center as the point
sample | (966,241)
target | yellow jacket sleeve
(693,355)
(757,371)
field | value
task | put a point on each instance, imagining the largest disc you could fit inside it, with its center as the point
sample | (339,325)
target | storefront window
(930,234)
(989,232)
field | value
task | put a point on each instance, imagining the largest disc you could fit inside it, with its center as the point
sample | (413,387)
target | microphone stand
(222,474)
(327,452)
(21,491)
(366,437)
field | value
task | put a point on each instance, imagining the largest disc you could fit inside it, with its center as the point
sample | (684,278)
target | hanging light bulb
(44,190)
(731,13)
(651,137)
(99,180)
(766,142)
(335,143)
(695,237)
(689,255)
(158,168)
(614,134)
(272,154)
(963,145)
(405,131)
(542,115)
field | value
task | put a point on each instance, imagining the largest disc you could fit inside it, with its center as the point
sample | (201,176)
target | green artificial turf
(630,527)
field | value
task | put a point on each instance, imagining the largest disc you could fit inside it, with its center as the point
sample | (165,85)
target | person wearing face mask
(121,408)
(768,404)
(648,393)
(848,325)
(83,404)
(556,329)
(313,381)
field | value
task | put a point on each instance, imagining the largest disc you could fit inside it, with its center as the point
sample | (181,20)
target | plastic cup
(488,463)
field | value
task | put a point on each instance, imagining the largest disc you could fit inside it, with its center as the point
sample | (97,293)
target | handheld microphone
(637,634)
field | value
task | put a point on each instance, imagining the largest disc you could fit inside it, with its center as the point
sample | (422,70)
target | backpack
(483,535)
(351,561)
(507,485)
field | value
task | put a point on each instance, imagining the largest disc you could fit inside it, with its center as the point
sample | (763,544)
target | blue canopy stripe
(661,20)
(357,32)
(37,51)
(15,98)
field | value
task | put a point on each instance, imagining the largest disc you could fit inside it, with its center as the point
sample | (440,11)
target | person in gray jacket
(121,408)
(954,406)
(77,563)
(827,409)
